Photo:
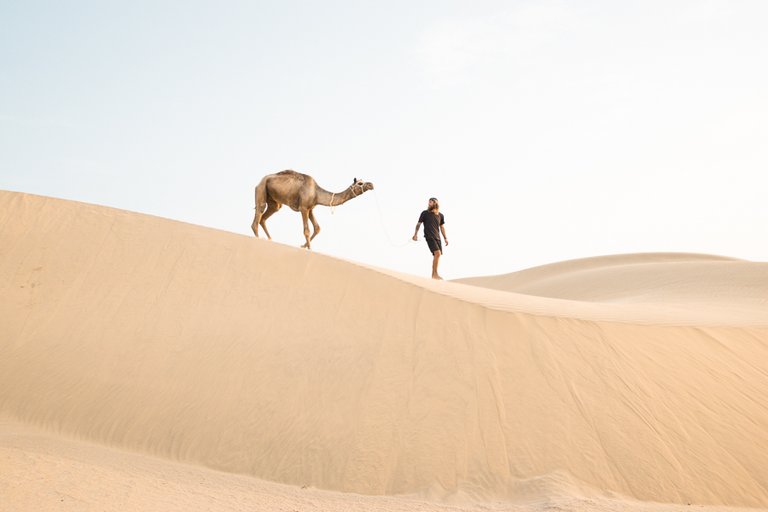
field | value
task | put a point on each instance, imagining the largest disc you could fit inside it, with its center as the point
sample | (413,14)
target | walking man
(434,224)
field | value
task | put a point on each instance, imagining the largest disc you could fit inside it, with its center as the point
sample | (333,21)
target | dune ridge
(251,357)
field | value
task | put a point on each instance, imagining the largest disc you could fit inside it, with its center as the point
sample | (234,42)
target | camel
(302,194)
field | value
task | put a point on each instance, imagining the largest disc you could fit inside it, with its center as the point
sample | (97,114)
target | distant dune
(631,377)
(636,278)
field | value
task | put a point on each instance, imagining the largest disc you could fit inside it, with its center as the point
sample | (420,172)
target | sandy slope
(41,472)
(245,356)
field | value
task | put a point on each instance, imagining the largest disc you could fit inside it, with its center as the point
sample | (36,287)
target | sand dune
(642,376)
(643,278)
(674,288)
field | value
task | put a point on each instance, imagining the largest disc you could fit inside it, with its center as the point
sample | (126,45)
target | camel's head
(360,186)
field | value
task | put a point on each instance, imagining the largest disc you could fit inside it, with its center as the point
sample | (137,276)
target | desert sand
(149,364)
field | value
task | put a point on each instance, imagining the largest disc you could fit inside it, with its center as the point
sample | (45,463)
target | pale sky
(549,130)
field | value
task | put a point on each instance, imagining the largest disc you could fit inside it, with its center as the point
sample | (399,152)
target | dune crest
(251,357)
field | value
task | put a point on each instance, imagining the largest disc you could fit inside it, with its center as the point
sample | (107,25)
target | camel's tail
(261,204)
(261,196)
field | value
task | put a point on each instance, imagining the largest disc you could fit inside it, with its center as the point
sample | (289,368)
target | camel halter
(359,184)
(351,188)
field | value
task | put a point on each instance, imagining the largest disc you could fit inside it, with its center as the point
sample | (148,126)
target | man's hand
(446,241)
(415,238)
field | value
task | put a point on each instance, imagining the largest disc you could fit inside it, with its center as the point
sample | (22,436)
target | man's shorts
(434,245)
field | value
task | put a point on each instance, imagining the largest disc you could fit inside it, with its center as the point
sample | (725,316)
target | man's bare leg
(435,260)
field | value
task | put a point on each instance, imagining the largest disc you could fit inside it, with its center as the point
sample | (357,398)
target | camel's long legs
(305,218)
(315,225)
(272,207)
(255,223)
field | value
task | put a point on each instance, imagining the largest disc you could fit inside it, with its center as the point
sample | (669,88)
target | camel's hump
(289,172)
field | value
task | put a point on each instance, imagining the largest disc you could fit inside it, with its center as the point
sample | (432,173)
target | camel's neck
(326,198)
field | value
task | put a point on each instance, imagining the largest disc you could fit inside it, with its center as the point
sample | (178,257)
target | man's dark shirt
(432,224)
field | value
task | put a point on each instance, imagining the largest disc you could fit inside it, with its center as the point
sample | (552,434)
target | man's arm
(445,237)
(416,233)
